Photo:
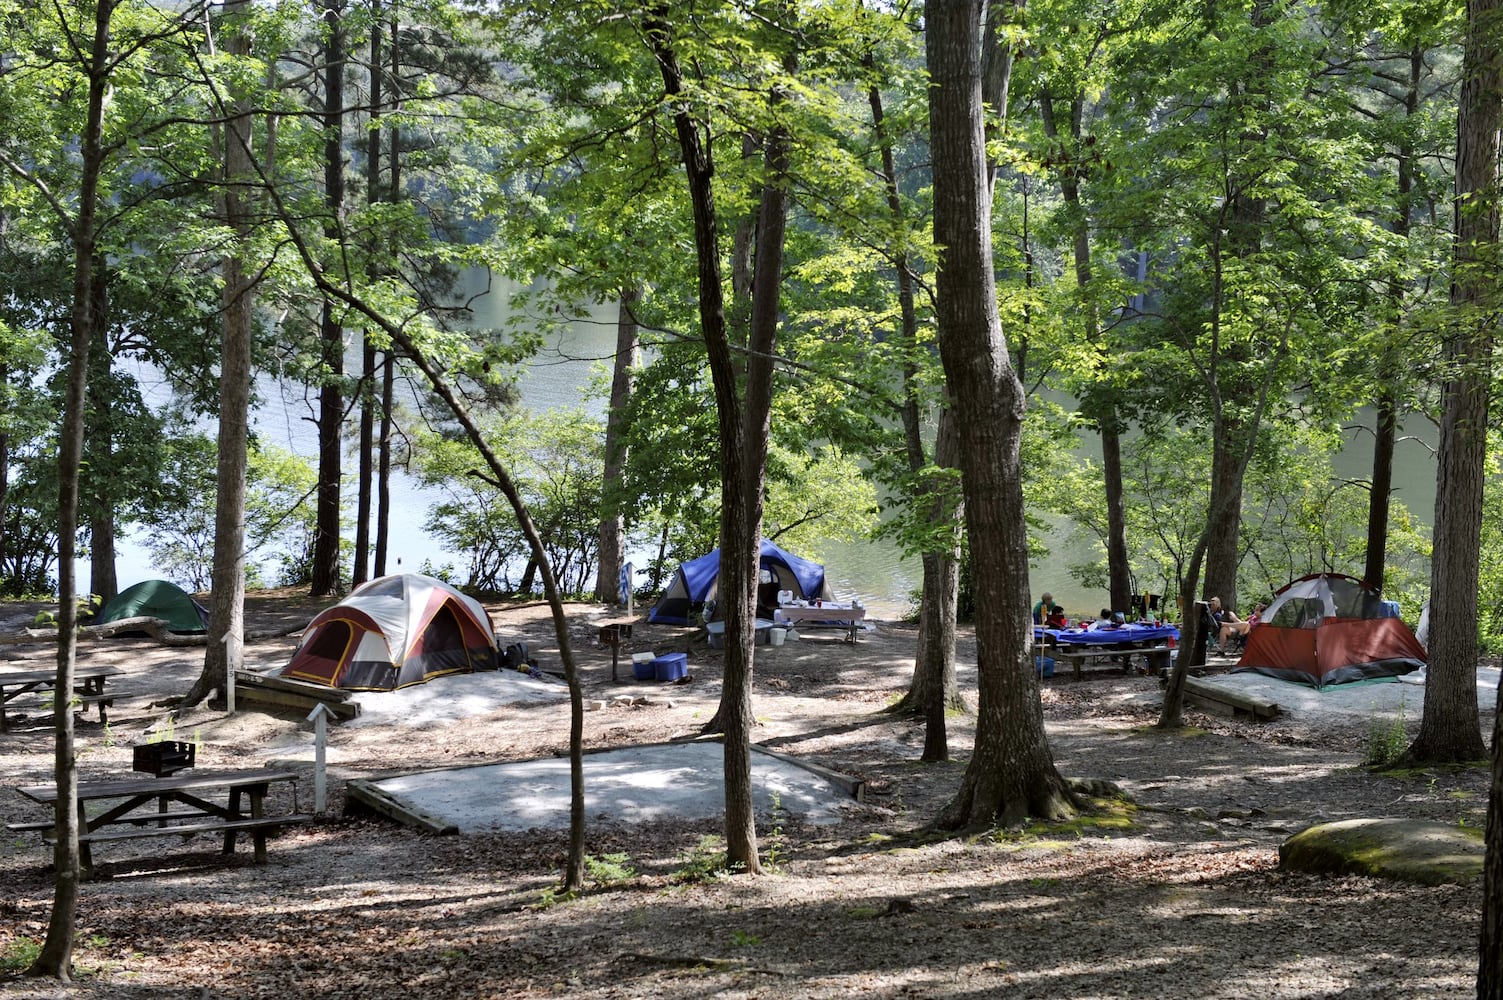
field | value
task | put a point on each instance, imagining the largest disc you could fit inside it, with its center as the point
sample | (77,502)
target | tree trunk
(99,443)
(1490,961)
(383,466)
(224,651)
(612,524)
(938,692)
(1385,433)
(359,572)
(56,956)
(326,578)
(1119,570)
(934,663)
(934,659)
(1386,429)
(1222,551)
(4,487)
(744,419)
(1011,774)
(1098,404)
(1448,729)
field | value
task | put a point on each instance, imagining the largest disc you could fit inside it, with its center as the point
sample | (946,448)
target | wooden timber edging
(155,628)
(1223,702)
(283,693)
(852,786)
(382,802)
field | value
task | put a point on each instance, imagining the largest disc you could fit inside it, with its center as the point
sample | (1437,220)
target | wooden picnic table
(88,686)
(1080,646)
(845,619)
(227,802)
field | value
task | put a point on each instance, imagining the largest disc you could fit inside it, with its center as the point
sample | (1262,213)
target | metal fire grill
(611,635)
(164,758)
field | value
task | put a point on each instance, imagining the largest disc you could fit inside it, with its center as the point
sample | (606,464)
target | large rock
(1408,850)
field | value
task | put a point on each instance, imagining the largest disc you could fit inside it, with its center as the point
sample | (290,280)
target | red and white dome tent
(1329,628)
(394,631)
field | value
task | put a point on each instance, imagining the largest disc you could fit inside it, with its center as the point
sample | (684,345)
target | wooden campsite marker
(229,673)
(320,719)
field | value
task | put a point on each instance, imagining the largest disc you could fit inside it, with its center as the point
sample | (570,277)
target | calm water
(876,573)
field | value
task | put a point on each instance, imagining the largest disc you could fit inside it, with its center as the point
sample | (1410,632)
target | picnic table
(1079,646)
(845,618)
(185,803)
(88,687)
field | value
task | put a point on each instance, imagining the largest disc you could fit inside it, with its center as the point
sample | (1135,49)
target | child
(1056,617)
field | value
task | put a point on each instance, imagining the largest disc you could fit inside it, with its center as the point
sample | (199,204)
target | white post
(319,717)
(229,674)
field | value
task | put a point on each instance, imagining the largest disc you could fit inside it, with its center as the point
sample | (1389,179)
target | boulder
(1415,851)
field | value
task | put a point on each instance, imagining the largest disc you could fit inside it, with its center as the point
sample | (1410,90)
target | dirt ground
(1182,897)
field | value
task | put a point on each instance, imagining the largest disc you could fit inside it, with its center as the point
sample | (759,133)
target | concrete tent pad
(1369,699)
(631,785)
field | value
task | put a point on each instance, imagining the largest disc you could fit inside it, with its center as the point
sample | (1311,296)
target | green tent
(157,599)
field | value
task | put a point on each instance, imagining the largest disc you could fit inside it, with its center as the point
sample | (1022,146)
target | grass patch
(706,860)
(609,869)
(1386,740)
(19,954)
(1101,816)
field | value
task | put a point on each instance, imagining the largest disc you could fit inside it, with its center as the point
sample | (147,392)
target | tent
(157,599)
(395,631)
(694,583)
(1328,628)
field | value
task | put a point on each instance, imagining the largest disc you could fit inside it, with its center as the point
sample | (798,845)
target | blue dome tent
(694,583)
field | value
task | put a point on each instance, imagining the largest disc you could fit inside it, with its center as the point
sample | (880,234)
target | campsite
(1180,894)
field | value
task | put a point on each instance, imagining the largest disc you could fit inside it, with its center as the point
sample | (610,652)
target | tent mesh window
(330,641)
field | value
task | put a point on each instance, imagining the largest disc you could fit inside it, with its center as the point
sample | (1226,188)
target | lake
(875,572)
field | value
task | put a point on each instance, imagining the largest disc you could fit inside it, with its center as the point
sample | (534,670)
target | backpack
(517,656)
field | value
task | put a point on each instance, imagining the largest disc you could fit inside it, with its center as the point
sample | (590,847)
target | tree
(1448,729)
(1453,734)
(1074,155)
(743,402)
(612,530)
(1011,774)
(935,527)
(94,55)
(224,648)
(326,576)
(556,461)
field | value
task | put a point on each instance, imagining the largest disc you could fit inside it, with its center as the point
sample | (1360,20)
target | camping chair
(1213,634)
(1144,606)
(1211,626)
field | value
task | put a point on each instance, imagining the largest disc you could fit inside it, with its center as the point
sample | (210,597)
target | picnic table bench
(186,803)
(88,687)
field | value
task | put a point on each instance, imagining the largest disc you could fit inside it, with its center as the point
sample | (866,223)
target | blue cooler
(671,666)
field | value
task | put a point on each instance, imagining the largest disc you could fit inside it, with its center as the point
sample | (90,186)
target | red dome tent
(1328,628)
(392,632)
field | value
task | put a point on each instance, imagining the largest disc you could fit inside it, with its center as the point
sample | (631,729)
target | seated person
(1041,609)
(1233,629)
(1056,617)
(1109,619)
